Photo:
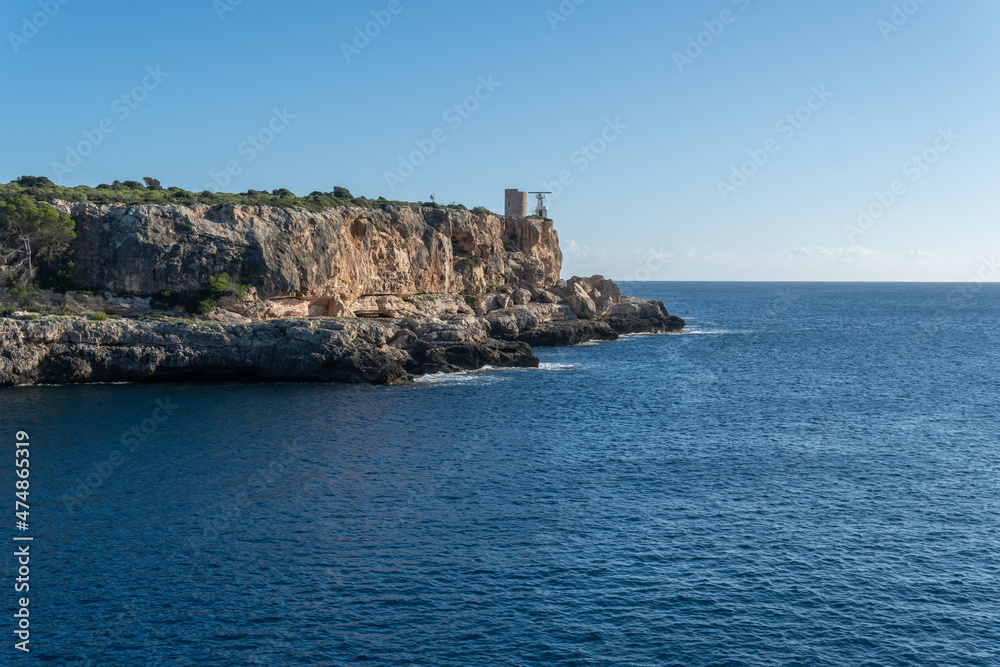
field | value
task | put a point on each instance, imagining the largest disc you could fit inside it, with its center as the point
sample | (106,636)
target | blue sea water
(807,476)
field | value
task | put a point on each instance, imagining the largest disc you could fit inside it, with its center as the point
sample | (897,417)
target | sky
(683,140)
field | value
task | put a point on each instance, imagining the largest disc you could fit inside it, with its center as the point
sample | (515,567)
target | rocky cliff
(346,294)
(320,263)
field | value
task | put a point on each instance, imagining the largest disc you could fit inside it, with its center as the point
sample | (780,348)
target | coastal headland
(361,291)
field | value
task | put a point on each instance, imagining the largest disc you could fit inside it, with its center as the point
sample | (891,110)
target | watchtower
(516,204)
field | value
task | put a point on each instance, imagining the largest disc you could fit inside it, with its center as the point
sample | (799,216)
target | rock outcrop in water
(346,294)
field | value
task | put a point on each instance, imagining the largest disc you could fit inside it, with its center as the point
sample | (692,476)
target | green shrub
(200,301)
(98,317)
(510,247)
(482,210)
(7,312)
(203,306)
(468,263)
(35,182)
(224,285)
(23,294)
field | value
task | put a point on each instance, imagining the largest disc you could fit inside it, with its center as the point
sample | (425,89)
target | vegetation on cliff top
(40,188)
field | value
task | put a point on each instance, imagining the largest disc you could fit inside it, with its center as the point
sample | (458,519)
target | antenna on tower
(542,210)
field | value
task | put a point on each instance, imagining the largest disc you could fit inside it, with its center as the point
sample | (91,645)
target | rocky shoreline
(347,294)
(385,351)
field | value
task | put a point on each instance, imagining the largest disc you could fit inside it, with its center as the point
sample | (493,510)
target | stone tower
(516,204)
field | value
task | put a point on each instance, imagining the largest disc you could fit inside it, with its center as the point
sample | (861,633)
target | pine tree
(32,234)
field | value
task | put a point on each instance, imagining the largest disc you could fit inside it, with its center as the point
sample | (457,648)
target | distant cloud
(578,251)
(852,255)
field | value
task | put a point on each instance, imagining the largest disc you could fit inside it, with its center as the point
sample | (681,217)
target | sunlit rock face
(329,259)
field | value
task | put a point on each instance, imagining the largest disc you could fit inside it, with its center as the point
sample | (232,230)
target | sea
(808,475)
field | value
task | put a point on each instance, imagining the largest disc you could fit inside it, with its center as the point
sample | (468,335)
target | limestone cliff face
(327,260)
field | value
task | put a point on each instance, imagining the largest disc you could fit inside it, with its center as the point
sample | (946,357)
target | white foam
(709,330)
(558,367)
(460,377)
(489,374)
(715,332)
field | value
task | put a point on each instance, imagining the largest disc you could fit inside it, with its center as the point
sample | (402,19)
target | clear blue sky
(649,206)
